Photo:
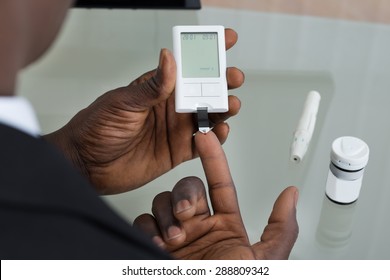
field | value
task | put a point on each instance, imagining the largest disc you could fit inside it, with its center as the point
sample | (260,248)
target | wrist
(64,141)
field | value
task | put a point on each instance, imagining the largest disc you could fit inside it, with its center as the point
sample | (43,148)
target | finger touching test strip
(305,128)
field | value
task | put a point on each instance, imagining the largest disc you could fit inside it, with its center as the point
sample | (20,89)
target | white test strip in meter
(200,56)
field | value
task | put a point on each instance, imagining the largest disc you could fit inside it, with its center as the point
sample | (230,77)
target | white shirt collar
(17,112)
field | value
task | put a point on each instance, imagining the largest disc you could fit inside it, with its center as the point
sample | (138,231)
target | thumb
(154,86)
(280,234)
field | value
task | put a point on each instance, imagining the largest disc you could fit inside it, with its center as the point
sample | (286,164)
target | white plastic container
(349,157)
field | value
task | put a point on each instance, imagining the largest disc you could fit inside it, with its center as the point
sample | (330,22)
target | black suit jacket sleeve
(49,211)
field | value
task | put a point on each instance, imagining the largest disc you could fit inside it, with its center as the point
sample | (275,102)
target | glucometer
(200,54)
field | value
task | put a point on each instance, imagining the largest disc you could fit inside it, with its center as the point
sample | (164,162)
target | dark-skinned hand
(132,135)
(184,224)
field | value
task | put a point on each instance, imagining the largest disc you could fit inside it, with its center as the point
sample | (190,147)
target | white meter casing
(200,55)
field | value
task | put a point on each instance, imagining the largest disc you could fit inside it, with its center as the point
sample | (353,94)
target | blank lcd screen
(199,54)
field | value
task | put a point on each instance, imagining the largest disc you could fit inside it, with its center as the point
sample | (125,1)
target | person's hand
(183,224)
(131,135)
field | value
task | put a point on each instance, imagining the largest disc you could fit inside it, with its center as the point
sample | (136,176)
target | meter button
(192,90)
(211,90)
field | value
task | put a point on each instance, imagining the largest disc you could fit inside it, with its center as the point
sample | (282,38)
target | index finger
(221,186)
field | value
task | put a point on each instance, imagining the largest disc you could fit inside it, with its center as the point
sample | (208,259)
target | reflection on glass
(335,225)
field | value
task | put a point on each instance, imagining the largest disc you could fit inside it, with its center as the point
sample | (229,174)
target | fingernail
(228,126)
(296,197)
(173,232)
(183,205)
(158,241)
(161,59)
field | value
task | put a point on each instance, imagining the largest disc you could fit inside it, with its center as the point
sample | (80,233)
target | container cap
(349,153)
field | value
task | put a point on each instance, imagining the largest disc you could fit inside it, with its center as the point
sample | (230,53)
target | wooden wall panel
(358,10)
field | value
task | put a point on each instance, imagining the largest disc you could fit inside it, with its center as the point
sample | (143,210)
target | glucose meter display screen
(199,53)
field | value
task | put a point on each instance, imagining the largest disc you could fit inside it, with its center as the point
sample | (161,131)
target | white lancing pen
(305,128)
